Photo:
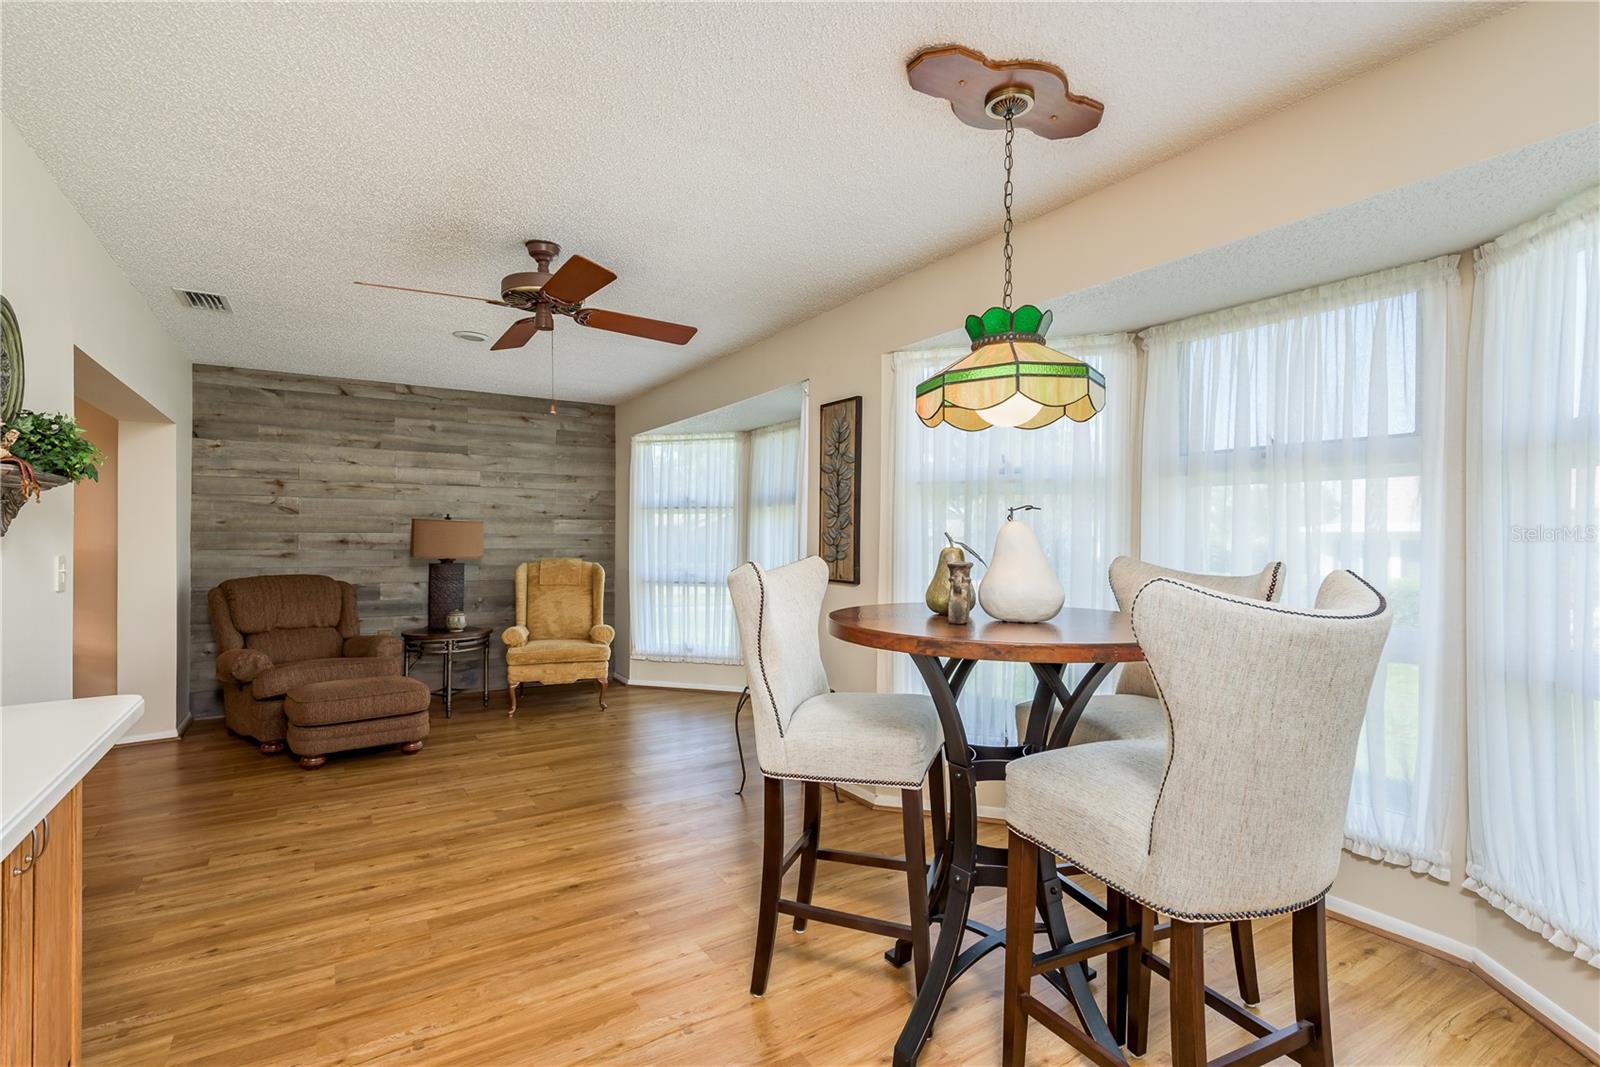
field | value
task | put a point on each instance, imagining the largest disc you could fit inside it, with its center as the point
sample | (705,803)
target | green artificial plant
(55,444)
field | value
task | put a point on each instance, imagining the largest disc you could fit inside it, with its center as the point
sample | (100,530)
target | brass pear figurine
(938,598)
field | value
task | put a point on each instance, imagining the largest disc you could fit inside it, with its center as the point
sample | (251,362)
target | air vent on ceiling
(204,301)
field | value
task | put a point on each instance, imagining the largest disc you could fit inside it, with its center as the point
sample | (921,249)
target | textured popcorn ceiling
(741,167)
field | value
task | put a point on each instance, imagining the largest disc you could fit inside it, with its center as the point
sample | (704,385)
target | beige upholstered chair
(1134,711)
(807,732)
(278,632)
(1238,813)
(560,636)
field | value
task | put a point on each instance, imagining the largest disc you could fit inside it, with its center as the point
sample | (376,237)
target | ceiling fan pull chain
(552,372)
(1010,133)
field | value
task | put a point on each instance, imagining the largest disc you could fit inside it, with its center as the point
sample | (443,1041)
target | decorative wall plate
(11,369)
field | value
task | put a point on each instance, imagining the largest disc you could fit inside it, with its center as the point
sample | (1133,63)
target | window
(686,538)
(774,530)
(948,482)
(702,504)
(1309,428)
(1533,569)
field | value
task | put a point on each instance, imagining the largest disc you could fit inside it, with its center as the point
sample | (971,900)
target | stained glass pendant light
(1011,377)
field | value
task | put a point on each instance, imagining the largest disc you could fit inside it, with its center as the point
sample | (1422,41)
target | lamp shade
(446,539)
(1011,378)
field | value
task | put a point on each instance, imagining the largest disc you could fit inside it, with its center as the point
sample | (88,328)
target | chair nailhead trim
(843,781)
(761,659)
(1199,917)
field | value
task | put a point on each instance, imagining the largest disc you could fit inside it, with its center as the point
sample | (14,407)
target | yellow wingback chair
(560,636)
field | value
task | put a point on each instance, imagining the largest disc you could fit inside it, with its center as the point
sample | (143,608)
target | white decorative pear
(1019,585)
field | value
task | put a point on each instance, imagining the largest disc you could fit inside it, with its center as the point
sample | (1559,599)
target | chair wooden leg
(601,682)
(811,831)
(1139,978)
(916,880)
(771,881)
(1022,885)
(1310,938)
(1117,910)
(936,806)
(1188,993)
(511,697)
(1244,961)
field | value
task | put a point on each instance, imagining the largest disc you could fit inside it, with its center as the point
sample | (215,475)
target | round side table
(448,643)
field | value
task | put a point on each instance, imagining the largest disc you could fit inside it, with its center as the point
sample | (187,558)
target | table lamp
(448,541)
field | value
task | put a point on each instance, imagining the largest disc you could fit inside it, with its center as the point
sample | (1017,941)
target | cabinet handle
(27,858)
(44,842)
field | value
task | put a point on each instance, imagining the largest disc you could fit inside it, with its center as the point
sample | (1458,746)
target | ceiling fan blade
(434,292)
(633,325)
(521,333)
(577,280)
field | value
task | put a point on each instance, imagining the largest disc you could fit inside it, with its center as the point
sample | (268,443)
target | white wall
(1508,83)
(68,294)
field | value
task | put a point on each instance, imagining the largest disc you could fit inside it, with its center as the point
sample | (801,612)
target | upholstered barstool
(1134,712)
(1238,813)
(808,733)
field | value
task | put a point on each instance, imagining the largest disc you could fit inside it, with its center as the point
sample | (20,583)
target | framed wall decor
(839,517)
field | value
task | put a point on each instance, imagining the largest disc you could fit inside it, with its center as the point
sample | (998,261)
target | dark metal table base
(962,865)
(417,648)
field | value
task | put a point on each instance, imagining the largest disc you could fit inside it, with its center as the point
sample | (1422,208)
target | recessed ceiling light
(469,335)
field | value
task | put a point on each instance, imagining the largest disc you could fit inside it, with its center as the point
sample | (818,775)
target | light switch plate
(61,574)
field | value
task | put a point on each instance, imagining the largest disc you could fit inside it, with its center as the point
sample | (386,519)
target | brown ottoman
(351,713)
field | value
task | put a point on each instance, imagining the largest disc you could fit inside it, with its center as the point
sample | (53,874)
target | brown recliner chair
(277,632)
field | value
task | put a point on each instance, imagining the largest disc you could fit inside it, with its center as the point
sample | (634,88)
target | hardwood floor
(573,886)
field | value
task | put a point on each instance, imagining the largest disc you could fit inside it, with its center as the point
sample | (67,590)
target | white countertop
(47,748)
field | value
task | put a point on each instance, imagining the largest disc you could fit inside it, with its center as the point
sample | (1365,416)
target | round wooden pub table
(945,655)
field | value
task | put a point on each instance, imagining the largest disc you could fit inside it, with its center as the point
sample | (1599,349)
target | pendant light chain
(1010,132)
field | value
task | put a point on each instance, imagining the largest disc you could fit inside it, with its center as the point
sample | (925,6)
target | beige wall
(1528,76)
(69,296)
(94,563)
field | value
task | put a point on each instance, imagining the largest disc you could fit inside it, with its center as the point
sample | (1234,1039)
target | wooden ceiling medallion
(980,90)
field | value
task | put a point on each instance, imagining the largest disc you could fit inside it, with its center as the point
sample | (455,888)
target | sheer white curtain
(947,481)
(1311,428)
(774,530)
(1533,540)
(686,521)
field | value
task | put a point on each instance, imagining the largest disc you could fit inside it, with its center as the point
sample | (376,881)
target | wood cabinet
(41,941)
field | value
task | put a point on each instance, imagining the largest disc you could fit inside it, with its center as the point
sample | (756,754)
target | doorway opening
(127,599)
(94,562)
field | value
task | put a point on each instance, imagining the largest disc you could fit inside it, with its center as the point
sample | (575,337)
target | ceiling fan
(547,295)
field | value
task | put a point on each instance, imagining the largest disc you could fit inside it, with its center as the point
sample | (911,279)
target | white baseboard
(705,687)
(1554,1015)
(156,735)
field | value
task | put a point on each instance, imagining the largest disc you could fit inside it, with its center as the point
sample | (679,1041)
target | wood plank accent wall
(301,474)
